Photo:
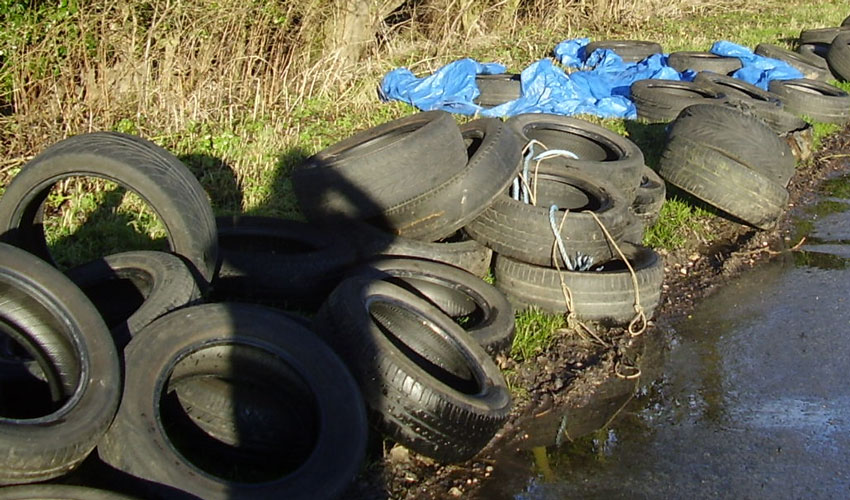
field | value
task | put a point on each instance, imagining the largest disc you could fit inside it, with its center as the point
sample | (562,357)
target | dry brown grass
(164,64)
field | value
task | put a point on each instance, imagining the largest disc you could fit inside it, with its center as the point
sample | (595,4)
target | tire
(279,261)
(380,167)
(429,385)
(734,87)
(58,492)
(494,90)
(719,180)
(157,176)
(522,231)
(838,56)
(820,35)
(131,289)
(650,197)
(741,137)
(815,54)
(605,296)
(703,61)
(754,101)
(459,250)
(771,114)
(241,415)
(494,160)
(796,60)
(225,340)
(846,21)
(45,312)
(601,153)
(817,100)
(662,100)
(477,306)
(628,50)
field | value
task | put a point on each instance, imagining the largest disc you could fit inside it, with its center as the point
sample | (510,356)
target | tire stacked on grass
(730,160)
(427,382)
(838,56)
(417,185)
(754,101)
(628,50)
(816,100)
(51,418)
(662,100)
(594,182)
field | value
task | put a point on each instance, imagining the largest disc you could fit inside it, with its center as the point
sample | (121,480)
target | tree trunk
(353,27)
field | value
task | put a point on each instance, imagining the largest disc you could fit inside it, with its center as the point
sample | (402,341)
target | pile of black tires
(187,367)
(586,197)
(248,358)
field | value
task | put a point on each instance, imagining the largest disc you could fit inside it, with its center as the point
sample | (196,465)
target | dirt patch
(581,371)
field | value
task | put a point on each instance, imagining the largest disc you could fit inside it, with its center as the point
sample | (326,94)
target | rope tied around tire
(572,318)
(640,315)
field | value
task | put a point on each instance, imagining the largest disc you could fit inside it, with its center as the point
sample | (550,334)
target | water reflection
(752,403)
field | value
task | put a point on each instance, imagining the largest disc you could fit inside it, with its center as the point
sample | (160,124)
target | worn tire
(662,100)
(380,167)
(754,101)
(734,87)
(838,56)
(494,90)
(522,231)
(628,50)
(703,61)
(459,250)
(846,21)
(817,100)
(484,312)
(428,384)
(139,442)
(796,60)
(815,54)
(820,35)
(157,176)
(719,180)
(279,261)
(744,138)
(494,160)
(650,197)
(240,414)
(601,153)
(47,314)
(131,289)
(606,296)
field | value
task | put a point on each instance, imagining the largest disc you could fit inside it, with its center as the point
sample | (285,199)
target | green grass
(535,331)
(679,223)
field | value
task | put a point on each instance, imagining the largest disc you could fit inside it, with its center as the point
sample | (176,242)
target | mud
(586,380)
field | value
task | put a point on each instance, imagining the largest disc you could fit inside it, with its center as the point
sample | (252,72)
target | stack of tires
(423,179)
(590,195)
(821,54)
(217,400)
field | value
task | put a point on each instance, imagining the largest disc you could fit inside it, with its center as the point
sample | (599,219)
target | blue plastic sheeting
(451,88)
(599,87)
(756,69)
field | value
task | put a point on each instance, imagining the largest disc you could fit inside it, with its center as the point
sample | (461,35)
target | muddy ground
(577,367)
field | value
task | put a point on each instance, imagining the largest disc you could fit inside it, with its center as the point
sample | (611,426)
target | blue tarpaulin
(599,85)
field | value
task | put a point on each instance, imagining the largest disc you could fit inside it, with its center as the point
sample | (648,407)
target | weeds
(535,331)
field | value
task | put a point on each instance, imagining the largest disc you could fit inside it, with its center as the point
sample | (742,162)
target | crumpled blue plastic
(600,86)
(756,69)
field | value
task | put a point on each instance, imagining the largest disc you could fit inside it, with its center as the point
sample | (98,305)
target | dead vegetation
(85,65)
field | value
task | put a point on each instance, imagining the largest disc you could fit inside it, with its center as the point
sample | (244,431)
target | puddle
(752,400)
